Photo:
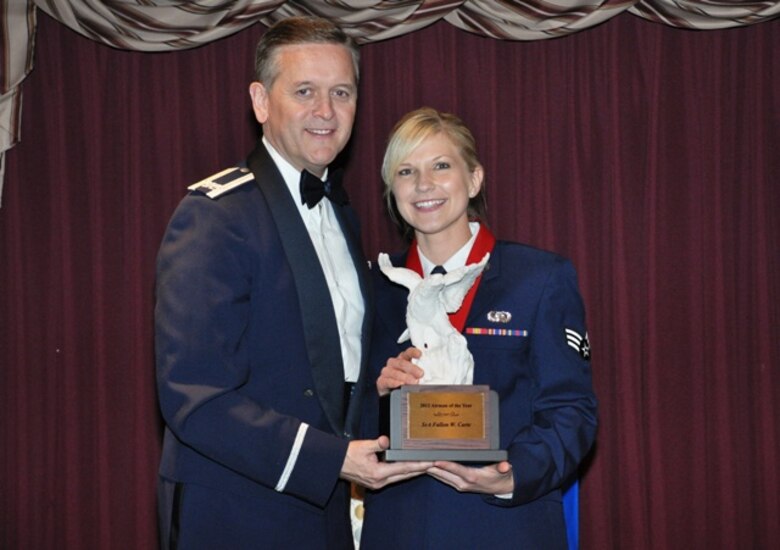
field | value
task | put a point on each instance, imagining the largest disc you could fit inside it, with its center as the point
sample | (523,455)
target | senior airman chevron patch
(578,342)
(222,182)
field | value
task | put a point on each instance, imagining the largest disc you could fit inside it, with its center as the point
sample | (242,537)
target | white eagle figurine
(445,357)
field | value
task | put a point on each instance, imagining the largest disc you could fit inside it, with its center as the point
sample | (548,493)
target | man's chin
(321,161)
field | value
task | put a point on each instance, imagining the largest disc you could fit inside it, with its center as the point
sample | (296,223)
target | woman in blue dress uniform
(524,322)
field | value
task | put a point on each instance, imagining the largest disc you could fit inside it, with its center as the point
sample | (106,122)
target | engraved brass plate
(443,415)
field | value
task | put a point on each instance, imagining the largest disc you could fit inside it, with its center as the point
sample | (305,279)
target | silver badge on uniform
(499,316)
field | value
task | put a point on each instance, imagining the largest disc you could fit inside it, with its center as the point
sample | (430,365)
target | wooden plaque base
(455,423)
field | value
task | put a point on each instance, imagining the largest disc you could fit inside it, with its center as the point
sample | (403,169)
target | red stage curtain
(647,154)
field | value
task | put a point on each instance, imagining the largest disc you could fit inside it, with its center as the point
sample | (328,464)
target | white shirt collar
(458,259)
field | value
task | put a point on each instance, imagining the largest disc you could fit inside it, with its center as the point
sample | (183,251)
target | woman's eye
(441,165)
(303,92)
(404,172)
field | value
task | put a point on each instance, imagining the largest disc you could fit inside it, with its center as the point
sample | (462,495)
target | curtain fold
(533,20)
(706,14)
(17,34)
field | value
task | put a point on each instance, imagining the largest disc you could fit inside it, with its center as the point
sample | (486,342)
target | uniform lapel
(485,296)
(317,313)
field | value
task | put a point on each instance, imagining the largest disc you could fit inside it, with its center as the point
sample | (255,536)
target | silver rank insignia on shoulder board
(222,182)
(580,343)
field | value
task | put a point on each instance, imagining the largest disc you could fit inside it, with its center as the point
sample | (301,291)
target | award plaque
(436,422)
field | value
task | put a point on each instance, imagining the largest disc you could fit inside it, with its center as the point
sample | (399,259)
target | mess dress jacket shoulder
(547,409)
(247,348)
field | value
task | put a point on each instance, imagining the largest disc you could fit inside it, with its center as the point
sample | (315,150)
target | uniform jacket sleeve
(548,408)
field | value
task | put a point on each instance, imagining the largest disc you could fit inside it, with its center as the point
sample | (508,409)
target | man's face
(308,112)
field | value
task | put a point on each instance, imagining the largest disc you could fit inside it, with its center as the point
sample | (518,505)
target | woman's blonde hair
(408,133)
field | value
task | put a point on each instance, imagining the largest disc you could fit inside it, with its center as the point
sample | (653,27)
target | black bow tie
(313,188)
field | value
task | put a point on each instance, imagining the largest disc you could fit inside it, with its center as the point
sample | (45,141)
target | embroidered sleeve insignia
(580,343)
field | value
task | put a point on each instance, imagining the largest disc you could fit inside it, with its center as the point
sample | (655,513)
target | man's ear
(259,96)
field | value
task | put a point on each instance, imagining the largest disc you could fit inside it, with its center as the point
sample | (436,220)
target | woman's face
(432,188)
